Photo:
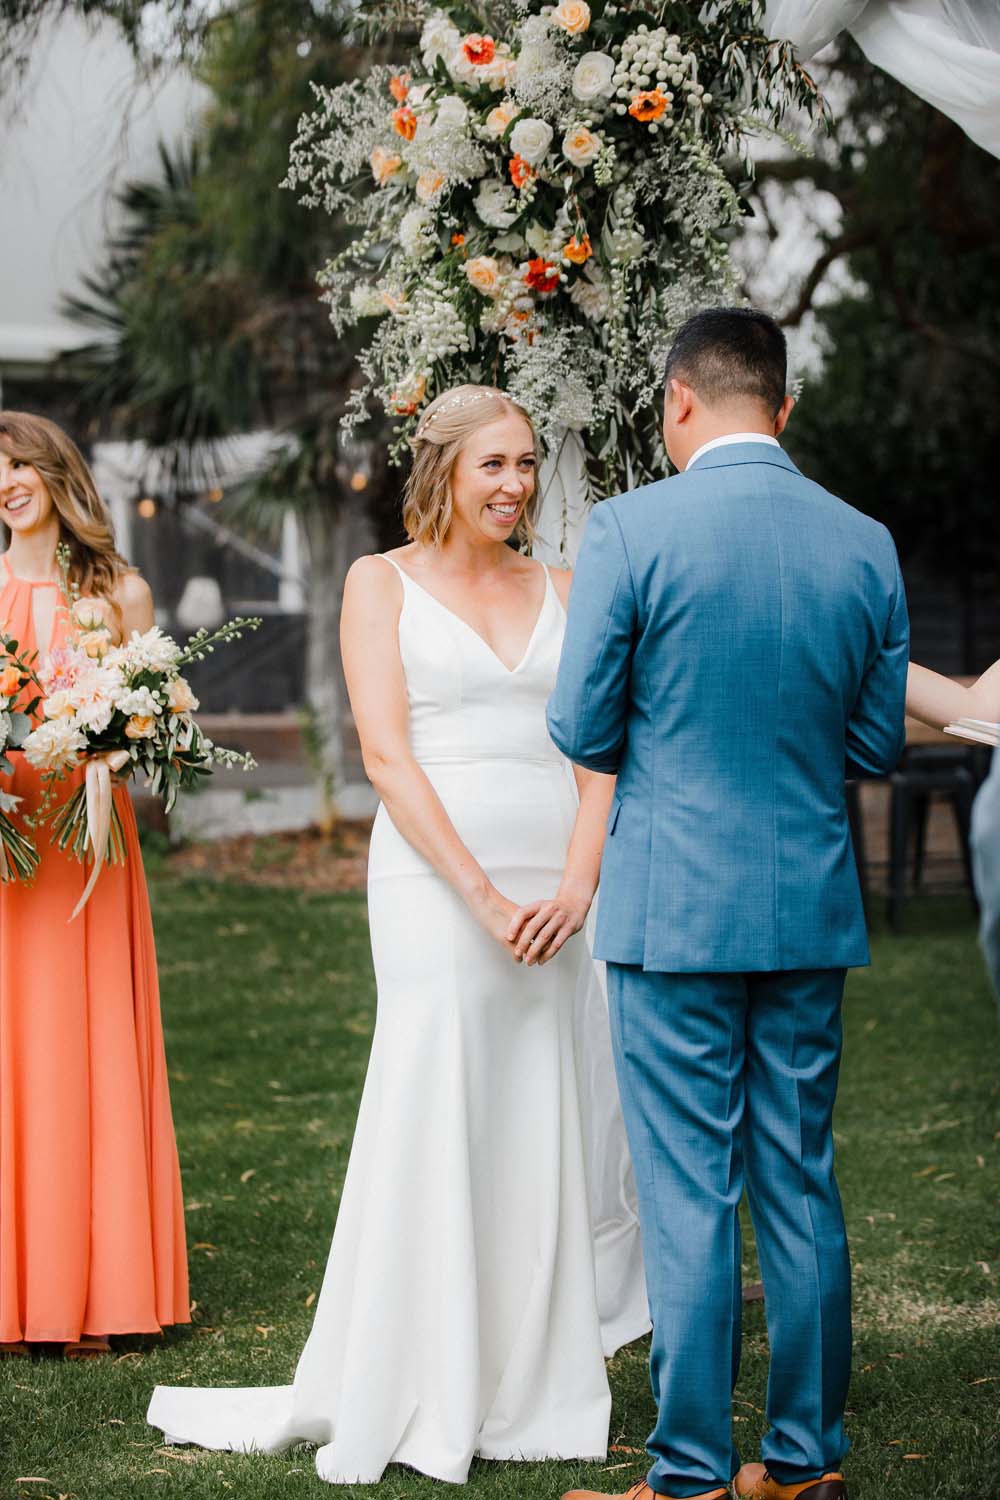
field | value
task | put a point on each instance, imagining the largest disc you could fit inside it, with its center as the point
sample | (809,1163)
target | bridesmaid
(91,1214)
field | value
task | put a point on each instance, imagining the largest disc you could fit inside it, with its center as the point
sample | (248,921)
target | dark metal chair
(926,772)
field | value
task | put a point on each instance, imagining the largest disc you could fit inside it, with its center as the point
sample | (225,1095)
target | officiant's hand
(540,929)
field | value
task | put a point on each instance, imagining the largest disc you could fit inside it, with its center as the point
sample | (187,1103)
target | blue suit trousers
(729,1080)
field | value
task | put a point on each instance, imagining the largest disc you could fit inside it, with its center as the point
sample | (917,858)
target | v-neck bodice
(23,603)
(465,703)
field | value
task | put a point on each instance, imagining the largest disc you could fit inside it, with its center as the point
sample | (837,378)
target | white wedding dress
(486,1255)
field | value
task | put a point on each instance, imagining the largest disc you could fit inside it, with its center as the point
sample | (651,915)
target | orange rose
(405,121)
(399,87)
(520,172)
(479,49)
(458,239)
(10,681)
(542,275)
(651,105)
(578,250)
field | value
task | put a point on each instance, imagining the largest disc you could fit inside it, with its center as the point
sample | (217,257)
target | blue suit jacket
(737,641)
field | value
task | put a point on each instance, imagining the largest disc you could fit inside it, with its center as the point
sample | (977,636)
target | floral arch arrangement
(540,197)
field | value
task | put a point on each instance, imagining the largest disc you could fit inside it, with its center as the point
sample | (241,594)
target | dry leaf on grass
(310,1299)
(250,1172)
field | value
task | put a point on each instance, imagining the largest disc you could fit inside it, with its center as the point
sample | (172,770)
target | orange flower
(651,105)
(479,49)
(542,275)
(408,397)
(10,681)
(399,87)
(578,250)
(520,172)
(405,121)
(458,239)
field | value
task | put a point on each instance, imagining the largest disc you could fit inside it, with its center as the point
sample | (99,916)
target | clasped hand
(537,931)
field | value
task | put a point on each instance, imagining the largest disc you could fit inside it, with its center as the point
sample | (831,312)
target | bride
(486,1256)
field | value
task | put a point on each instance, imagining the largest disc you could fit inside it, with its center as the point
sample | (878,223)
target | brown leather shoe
(642,1491)
(753,1482)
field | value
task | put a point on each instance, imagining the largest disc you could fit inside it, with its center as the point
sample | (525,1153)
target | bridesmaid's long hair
(84,519)
(443,430)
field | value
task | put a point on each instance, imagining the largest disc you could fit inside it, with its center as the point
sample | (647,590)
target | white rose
(530,140)
(538,239)
(593,76)
(438,38)
(415,234)
(452,111)
(591,297)
(580,145)
(495,204)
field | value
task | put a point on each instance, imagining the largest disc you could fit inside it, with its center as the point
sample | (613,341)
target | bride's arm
(938,701)
(369,642)
(540,929)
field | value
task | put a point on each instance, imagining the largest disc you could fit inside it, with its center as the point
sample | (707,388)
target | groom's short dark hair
(730,353)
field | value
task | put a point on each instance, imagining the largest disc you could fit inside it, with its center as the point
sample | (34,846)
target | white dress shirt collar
(732,437)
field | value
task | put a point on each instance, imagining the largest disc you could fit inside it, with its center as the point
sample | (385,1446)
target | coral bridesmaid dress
(91,1214)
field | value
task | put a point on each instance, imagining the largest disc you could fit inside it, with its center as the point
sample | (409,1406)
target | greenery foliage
(268,1000)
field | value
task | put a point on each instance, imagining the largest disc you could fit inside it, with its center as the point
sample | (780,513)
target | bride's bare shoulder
(561,580)
(374,579)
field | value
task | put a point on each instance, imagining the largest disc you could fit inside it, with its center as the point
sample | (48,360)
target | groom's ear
(680,400)
(784,412)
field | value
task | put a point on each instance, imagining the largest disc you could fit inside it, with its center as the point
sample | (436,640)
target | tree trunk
(337,531)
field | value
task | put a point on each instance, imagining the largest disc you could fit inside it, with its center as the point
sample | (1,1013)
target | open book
(980,730)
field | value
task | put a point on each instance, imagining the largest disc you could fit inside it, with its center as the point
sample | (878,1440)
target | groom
(737,639)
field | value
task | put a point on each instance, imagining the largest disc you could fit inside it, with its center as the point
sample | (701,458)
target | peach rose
(484,274)
(141,726)
(180,698)
(10,681)
(580,145)
(96,643)
(572,16)
(90,614)
(384,164)
(429,185)
(58,706)
(498,119)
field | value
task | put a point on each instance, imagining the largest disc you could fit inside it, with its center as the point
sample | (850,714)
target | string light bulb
(147,507)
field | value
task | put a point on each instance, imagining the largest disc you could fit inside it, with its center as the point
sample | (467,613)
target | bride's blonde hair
(445,427)
(84,520)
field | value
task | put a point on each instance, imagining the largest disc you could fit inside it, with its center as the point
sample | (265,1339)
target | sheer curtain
(947,51)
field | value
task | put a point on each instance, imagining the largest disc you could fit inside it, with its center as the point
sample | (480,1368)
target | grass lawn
(268,1000)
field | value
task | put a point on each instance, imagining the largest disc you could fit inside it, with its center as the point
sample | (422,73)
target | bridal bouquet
(121,709)
(540,196)
(18,855)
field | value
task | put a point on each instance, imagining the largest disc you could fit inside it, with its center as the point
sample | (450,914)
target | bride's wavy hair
(95,564)
(444,428)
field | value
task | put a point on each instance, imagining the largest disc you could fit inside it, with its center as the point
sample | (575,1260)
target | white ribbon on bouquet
(97,782)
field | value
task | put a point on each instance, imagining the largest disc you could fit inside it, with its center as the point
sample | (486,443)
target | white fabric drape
(947,51)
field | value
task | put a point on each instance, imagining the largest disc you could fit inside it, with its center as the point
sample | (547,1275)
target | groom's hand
(537,931)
